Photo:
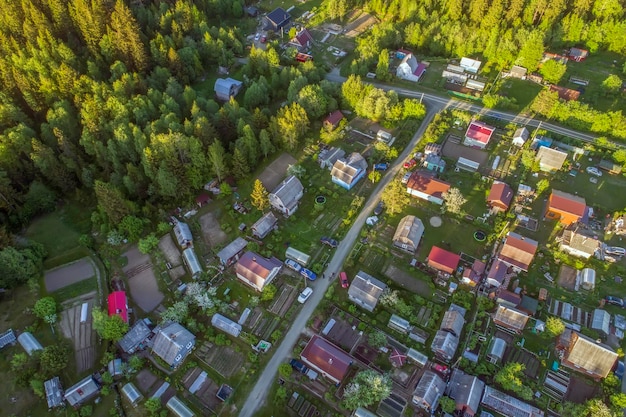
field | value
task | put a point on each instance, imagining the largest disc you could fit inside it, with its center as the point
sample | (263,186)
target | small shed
(417,357)
(264,225)
(192,262)
(226,325)
(178,408)
(496,350)
(224,392)
(298,256)
(230,254)
(588,279)
(601,321)
(54,392)
(131,393)
(29,343)
(116,367)
(520,136)
(399,324)
(226,88)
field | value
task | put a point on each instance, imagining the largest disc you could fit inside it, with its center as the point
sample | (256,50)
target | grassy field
(524,92)
(74,290)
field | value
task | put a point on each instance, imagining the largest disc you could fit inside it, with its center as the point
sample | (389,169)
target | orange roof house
(443,260)
(518,251)
(500,196)
(424,185)
(326,358)
(566,208)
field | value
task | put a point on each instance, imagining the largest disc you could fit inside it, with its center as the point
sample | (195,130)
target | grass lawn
(76,289)
(524,92)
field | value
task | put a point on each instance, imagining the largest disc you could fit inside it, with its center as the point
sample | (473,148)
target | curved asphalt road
(283,351)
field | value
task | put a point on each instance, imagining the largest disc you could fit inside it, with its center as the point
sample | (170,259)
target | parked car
(409,164)
(615,250)
(594,171)
(442,369)
(406,177)
(291,264)
(307,273)
(616,301)
(382,166)
(328,241)
(298,366)
(593,180)
(379,208)
(256,37)
(343,278)
(263,39)
(304,295)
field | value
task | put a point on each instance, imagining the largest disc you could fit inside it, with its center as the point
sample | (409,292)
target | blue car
(307,273)
(381,166)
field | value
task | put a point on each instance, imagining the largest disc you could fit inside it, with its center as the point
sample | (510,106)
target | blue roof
(224,85)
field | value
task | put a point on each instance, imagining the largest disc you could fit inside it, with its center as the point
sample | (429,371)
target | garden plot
(372,260)
(82,334)
(276,171)
(408,281)
(211,231)
(223,359)
(69,274)
(265,326)
(454,150)
(144,288)
(170,250)
(204,390)
(567,277)
(283,302)
(358,22)
(581,389)
(145,380)
(528,359)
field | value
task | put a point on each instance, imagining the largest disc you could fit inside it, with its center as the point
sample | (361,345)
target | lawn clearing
(76,289)
(523,91)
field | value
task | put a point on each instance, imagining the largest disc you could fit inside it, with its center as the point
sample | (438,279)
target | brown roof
(565,93)
(583,352)
(256,268)
(334,118)
(501,193)
(426,183)
(568,203)
(326,358)
(518,251)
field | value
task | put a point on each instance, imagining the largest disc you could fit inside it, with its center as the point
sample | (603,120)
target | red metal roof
(118,305)
(334,118)
(518,251)
(443,260)
(568,203)
(480,132)
(326,358)
(425,182)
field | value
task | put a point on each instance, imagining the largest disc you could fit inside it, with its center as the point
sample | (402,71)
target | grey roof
(173,343)
(287,194)
(161,390)
(507,405)
(521,133)
(575,241)
(132,393)
(529,304)
(511,318)
(466,390)
(179,408)
(192,261)
(328,157)
(116,367)
(444,344)
(54,392)
(82,391)
(7,338)
(232,249)
(365,290)
(264,225)
(347,169)
(453,322)
(183,234)
(226,87)
(600,320)
(428,391)
(29,343)
(409,233)
(455,307)
(225,324)
(434,159)
(550,159)
(137,334)
(278,17)
(496,348)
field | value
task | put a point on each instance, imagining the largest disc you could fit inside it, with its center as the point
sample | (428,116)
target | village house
(520,137)
(466,391)
(580,243)
(506,405)
(302,41)
(497,273)
(328,157)
(577,54)
(424,185)
(264,225)
(287,195)
(518,251)
(566,208)
(473,275)
(508,298)
(408,233)
(428,391)
(118,305)
(184,238)
(583,354)
(84,390)
(500,196)
(510,319)
(410,69)
(232,251)
(478,135)
(227,88)
(434,162)
(257,271)
(365,290)
(326,358)
(331,122)
(444,345)
(443,260)
(453,322)
(348,171)
(277,20)
(173,343)
(550,160)
(135,336)
(565,93)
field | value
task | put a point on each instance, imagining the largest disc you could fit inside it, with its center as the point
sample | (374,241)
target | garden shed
(226,325)
(131,392)
(29,343)
(178,408)
(231,252)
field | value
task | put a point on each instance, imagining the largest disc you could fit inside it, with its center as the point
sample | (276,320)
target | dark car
(616,301)
(307,273)
(298,366)
(328,241)
(379,208)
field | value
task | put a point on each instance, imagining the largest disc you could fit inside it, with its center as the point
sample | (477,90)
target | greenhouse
(29,343)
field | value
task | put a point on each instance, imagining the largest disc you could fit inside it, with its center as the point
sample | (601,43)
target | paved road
(435,101)
(264,382)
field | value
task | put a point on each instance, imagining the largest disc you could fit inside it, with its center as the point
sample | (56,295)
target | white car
(594,171)
(406,177)
(304,295)
(615,250)
(256,37)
